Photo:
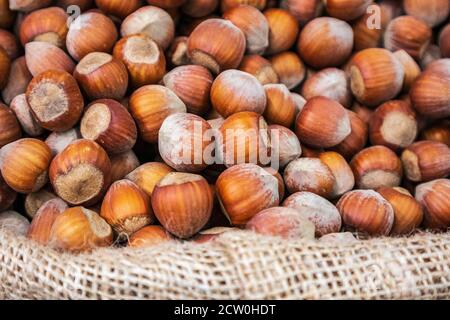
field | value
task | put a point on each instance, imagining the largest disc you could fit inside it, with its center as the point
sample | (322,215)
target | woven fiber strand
(238,265)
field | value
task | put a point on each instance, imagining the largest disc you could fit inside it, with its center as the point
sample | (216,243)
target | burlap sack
(238,265)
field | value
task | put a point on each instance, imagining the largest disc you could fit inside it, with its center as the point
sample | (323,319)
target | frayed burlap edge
(238,265)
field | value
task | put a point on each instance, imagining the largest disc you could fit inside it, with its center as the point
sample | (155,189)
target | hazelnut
(150,105)
(305,10)
(185,142)
(309,174)
(408,214)
(244,138)
(151,21)
(102,76)
(79,229)
(48,25)
(81,173)
(287,145)
(410,67)
(322,213)
(148,175)
(433,196)
(14,222)
(376,76)
(394,125)
(376,167)
(439,133)
(123,164)
(426,160)
(408,33)
(41,226)
(90,32)
(126,207)
(118,8)
(283,30)
(253,24)
(281,107)
(235,91)
(430,93)
(331,83)
(356,140)
(283,222)
(325,42)
(109,124)
(10,126)
(143,58)
(43,56)
(228,4)
(433,12)
(183,203)
(24,164)
(260,68)
(208,45)
(34,201)
(149,236)
(58,141)
(344,179)
(444,41)
(199,8)
(347,10)
(299,103)
(192,84)
(19,78)
(322,123)
(7,195)
(19,105)
(289,68)
(55,100)
(244,190)
(366,211)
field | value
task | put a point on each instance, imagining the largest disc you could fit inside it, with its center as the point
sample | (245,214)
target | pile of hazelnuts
(112,111)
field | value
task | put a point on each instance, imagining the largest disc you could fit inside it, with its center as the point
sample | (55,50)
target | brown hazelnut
(123,164)
(433,196)
(148,175)
(149,236)
(348,9)
(235,91)
(43,56)
(286,145)
(109,124)
(260,68)
(366,211)
(19,105)
(426,160)
(246,189)
(433,12)
(281,107)
(321,212)
(325,42)
(322,123)
(150,105)
(102,76)
(55,100)
(192,84)
(183,203)
(80,174)
(24,164)
(289,68)
(143,58)
(19,78)
(376,167)
(10,126)
(394,125)
(208,45)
